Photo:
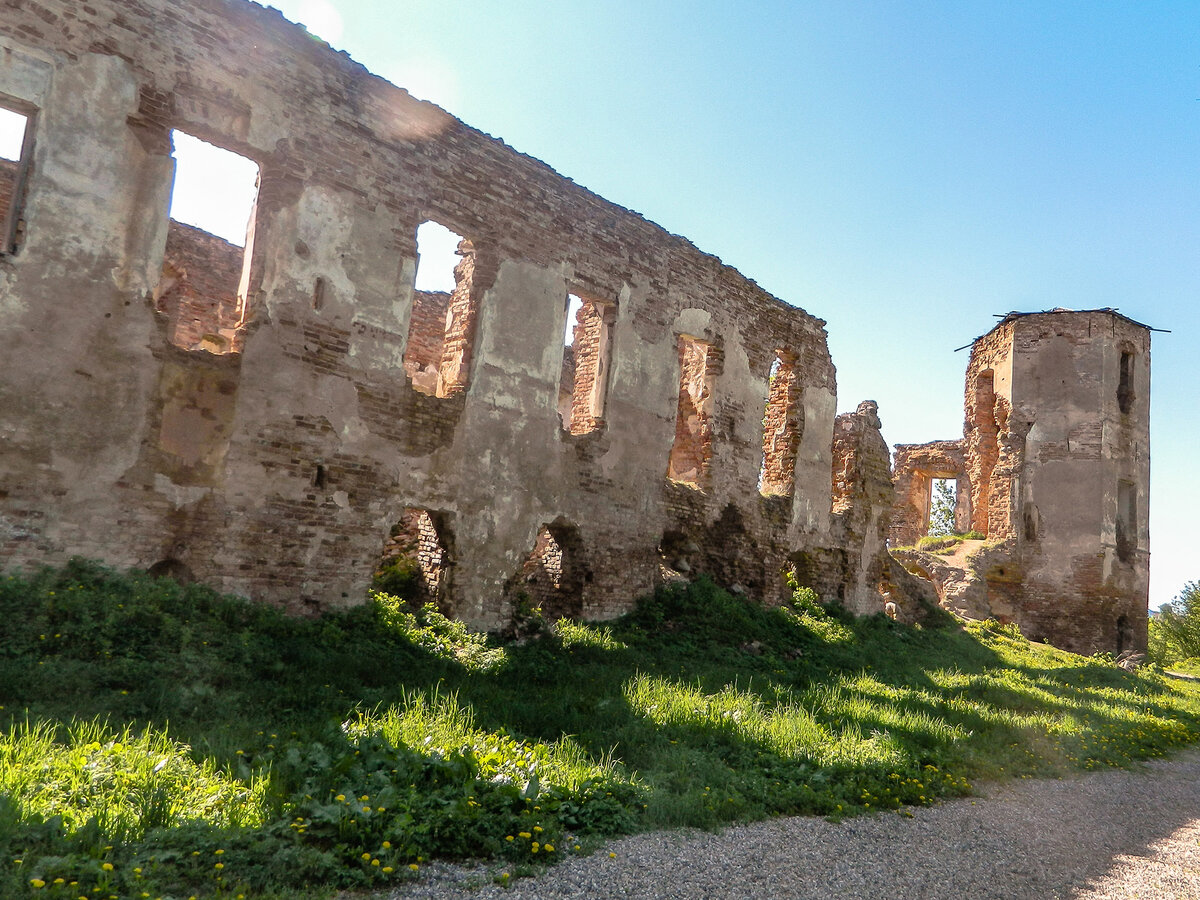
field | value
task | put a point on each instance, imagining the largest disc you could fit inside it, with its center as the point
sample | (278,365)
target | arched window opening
(691,452)
(416,560)
(1125,386)
(16,150)
(554,575)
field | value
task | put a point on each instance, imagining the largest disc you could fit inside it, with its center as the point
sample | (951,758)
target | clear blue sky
(904,169)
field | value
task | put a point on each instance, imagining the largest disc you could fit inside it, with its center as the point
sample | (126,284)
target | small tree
(1175,631)
(941,509)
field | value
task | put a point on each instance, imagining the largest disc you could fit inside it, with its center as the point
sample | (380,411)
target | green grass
(166,741)
(944,543)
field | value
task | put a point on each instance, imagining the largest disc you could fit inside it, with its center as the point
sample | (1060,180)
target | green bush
(1175,631)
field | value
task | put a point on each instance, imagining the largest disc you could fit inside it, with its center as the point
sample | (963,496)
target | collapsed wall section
(268,438)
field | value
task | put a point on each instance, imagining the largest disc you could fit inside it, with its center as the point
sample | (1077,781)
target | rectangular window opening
(943,500)
(16,151)
(442,323)
(781,428)
(587,355)
(210,236)
(691,453)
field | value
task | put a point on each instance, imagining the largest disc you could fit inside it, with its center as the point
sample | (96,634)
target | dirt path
(1104,836)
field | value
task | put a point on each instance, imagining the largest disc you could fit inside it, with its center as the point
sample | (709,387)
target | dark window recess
(1031,522)
(1124,634)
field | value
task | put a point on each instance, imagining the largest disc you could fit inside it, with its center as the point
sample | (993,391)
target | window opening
(416,560)
(943,501)
(206,268)
(691,452)
(1125,388)
(587,354)
(781,428)
(442,322)
(1127,526)
(16,146)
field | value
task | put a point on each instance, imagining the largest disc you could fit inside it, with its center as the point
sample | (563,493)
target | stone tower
(1055,463)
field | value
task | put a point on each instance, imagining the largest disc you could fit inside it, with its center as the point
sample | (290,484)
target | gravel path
(1104,836)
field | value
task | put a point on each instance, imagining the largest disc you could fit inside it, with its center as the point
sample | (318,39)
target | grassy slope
(167,740)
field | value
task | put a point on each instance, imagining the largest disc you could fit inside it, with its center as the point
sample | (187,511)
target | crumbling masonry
(1053,471)
(282,419)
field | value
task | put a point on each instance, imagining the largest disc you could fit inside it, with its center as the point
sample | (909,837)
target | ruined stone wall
(1057,453)
(915,468)
(856,568)
(278,470)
